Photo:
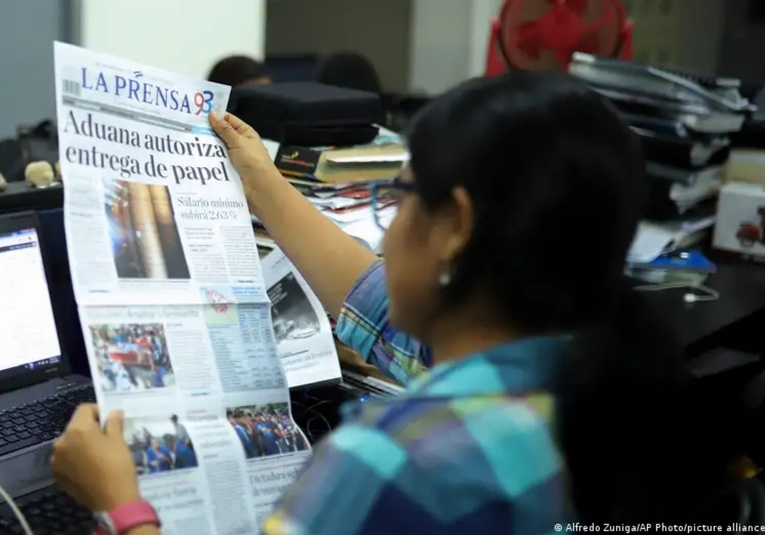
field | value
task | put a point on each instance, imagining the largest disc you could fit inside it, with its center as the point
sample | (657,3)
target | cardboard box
(740,226)
(746,165)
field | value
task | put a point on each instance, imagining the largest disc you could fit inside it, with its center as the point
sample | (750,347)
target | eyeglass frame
(374,189)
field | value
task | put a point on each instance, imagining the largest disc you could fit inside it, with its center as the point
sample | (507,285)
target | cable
(310,432)
(16,511)
(709,294)
(309,414)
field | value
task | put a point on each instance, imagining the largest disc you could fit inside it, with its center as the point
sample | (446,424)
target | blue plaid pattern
(363,325)
(468,448)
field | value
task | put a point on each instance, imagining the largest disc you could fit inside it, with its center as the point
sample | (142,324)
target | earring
(445,278)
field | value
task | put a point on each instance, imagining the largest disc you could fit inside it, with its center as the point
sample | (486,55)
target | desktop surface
(742,294)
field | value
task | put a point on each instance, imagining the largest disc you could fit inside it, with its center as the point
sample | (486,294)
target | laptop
(38,393)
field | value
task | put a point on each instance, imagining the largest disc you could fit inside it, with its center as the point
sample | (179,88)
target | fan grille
(543,34)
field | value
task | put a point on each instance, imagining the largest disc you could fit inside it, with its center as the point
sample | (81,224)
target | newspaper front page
(172,300)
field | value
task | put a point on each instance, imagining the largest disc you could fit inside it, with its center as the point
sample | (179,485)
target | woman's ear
(457,223)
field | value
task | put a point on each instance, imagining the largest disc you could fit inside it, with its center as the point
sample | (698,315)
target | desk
(697,325)
(20,196)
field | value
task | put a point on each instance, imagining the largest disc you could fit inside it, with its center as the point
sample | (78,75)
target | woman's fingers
(242,128)
(225,130)
(113,424)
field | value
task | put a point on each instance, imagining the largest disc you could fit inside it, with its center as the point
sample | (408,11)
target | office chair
(350,70)
(402,108)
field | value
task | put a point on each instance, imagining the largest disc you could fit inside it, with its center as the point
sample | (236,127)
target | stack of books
(684,123)
(336,180)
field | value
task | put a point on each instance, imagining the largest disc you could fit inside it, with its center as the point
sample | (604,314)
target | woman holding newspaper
(502,273)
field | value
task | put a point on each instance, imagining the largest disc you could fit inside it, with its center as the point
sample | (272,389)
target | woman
(551,396)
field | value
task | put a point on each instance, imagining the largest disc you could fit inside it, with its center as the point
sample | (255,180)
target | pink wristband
(122,519)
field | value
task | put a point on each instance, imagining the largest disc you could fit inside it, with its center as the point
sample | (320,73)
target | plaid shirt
(467,449)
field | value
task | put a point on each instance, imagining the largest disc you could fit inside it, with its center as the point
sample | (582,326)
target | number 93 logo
(203,101)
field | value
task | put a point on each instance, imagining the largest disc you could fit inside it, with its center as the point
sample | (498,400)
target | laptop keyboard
(40,421)
(48,512)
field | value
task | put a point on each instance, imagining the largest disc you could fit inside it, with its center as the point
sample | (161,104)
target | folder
(683,152)
(661,84)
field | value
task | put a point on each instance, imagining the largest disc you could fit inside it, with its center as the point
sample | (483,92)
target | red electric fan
(543,34)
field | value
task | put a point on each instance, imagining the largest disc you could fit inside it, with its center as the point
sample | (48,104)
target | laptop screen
(28,337)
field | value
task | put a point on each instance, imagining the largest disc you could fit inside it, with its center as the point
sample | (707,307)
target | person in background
(256,438)
(269,431)
(158,375)
(138,452)
(184,455)
(539,389)
(239,70)
(235,420)
(158,457)
(180,431)
(350,70)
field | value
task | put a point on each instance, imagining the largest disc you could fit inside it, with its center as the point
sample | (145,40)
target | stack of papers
(380,159)
(654,239)
(684,122)
(347,203)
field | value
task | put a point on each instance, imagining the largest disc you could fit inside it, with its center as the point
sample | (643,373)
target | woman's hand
(92,465)
(245,148)
(329,259)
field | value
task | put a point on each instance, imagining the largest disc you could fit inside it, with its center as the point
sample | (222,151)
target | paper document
(172,300)
(403,157)
(654,239)
(303,333)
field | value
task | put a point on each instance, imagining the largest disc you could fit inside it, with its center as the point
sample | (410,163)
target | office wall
(743,43)
(27,31)
(440,35)
(378,29)
(416,45)
(706,36)
(449,41)
(483,12)
(685,34)
(185,36)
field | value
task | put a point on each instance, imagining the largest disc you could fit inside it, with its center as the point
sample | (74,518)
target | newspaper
(172,300)
(303,333)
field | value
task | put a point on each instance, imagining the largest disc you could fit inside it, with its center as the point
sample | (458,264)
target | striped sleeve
(363,325)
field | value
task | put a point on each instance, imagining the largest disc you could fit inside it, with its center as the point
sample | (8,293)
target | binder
(709,92)
(688,177)
(683,152)
(693,116)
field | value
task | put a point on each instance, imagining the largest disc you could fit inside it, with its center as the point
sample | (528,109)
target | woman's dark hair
(350,70)
(236,70)
(558,187)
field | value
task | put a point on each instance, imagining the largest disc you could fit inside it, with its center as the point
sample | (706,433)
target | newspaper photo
(172,300)
(303,334)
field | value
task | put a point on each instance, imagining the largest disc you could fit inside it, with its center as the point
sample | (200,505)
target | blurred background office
(413,46)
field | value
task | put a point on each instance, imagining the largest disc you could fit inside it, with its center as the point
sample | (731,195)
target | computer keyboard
(40,421)
(49,512)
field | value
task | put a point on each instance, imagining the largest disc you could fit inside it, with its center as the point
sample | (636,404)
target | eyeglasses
(385,196)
